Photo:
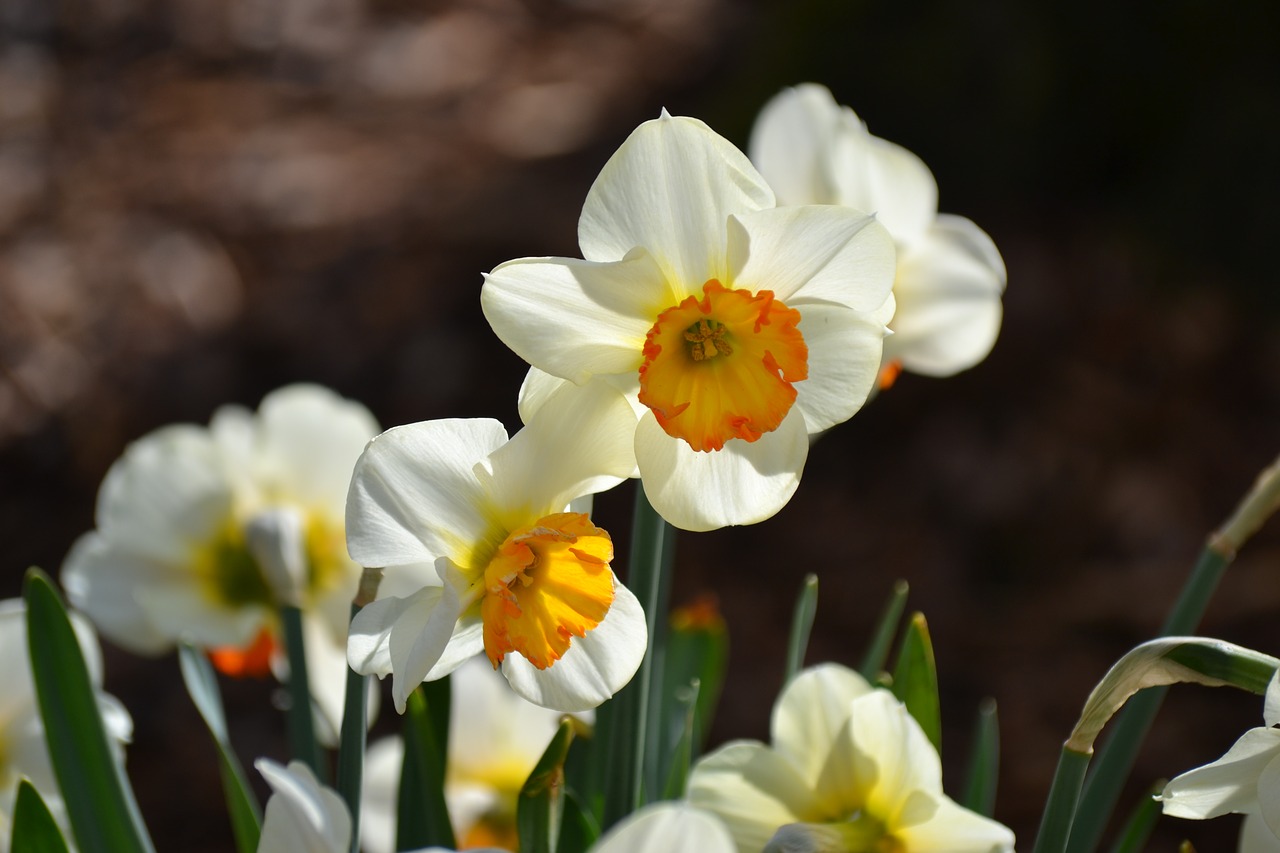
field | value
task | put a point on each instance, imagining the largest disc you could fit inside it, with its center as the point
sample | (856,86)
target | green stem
(1064,796)
(626,716)
(801,624)
(302,738)
(352,745)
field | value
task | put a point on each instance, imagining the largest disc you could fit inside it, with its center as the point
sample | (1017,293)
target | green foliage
(984,762)
(540,808)
(801,624)
(423,818)
(873,663)
(34,829)
(915,679)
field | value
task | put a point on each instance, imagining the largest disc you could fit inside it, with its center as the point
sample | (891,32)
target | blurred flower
(23,751)
(848,765)
(738,328)
(670,827)
(472,528)
(204,533)
(950,276)
(495,741)
(1244,781)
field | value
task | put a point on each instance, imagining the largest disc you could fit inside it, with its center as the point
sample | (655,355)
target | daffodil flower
(495,740)
(736,328)
(482,554)
(23,751)
(849,769)
(1244,781)
(305,816)
(203,533)
(672,827)
(950,276)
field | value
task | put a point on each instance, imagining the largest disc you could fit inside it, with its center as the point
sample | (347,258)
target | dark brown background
(202,200)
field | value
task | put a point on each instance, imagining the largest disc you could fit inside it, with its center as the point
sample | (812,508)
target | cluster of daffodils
(725,311)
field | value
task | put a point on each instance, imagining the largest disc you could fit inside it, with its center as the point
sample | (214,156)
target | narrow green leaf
(915,679)
(541,804)
(886,629)
(242,805)
(1137,829)
(682,751)
(301,724)
(984,762)
(423,818)
(578,829)
(801,624)
(624,762)
(100,804)
(1064,797)
(34,829)
(351,747)
(697,649)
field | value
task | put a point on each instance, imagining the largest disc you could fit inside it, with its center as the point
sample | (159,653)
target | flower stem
(1064,796)
(302,738)
(352,745)
(627,716)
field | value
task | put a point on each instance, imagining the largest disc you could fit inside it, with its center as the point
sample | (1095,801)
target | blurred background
(202,200)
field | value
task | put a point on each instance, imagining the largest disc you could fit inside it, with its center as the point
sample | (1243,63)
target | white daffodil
(23,751)
(1244,781)
(481,554)
(950,276)
(672,827)
(737,328)
(204,533)
(495,741)
(304,816)
(849,769)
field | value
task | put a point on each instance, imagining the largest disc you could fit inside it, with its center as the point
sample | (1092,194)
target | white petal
(671,188)
(744,483)
(184,611)
(1227,785)
(883,178)
(580,442)
(792,143)
(948,293)
(576,318)
(493,729)
(891,749)
(816,252)
(302,815)
(327,678)
(594,668)
(811,715)
(753,789)
(946,827)
(845,350)
(669,827)
(309,440)
(413,495)
(101,579)
(1271,703)
(1269,794)
(169,492)
(369,638)
(419,641)
(1257,837)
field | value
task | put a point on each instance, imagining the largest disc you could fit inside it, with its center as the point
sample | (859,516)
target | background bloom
(495,740)
(23,751)
(203,533)
(736,327)
(950,275)
(845,758)
(480,553)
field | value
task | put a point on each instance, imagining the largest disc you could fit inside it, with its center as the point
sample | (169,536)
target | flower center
(722,367)
(548,583)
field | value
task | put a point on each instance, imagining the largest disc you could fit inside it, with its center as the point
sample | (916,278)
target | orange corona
(548,583)
(723,366)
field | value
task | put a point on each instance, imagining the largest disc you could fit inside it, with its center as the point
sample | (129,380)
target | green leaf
(578,827)
(34,829)
(878,652)
(1137,829)
(202,685)
(100,804)
(984,762)
(801,624)
(541,804)
(697,649)
(915,679)
(423,818)
(682,752)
